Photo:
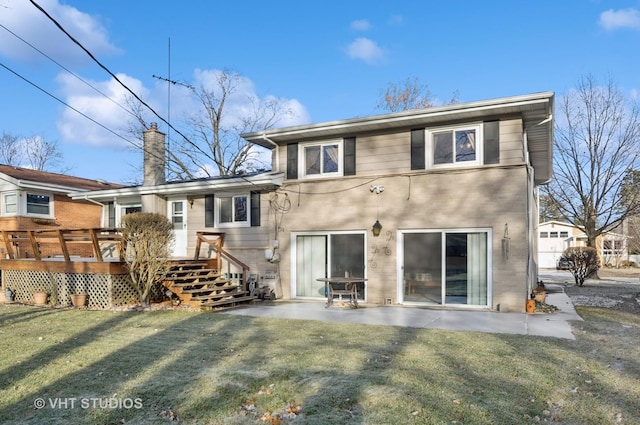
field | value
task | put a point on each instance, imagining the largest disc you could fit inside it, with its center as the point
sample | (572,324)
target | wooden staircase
(198,285)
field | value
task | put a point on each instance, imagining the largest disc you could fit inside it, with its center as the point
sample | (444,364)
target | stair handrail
(216,245)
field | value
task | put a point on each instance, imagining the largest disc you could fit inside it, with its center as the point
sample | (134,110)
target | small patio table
(342,286)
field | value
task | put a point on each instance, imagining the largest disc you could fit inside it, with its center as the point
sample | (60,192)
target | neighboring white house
(556,236)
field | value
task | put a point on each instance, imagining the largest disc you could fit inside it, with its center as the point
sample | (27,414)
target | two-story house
(433,207)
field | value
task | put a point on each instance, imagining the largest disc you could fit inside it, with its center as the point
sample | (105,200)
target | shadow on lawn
(195,363)
(23,315)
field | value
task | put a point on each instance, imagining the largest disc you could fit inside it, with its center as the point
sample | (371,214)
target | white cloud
(364,49)
(29,23)
(110,112)
(623,18)
(361,25)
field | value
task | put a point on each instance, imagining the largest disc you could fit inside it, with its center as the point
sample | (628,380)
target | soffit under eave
(186,189)
(409,119)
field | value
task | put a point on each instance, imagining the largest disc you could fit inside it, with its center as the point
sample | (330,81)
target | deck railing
(215,240)
(63,242)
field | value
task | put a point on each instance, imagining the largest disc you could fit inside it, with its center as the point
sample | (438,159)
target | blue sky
(329,60)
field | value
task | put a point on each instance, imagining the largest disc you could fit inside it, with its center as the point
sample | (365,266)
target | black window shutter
(292,161)
(417,149)
(255,209)
(209,211)
(491,142)
(349,154)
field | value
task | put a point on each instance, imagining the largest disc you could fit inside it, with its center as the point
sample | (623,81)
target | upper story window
(233,210)
(454,146)
(320,159)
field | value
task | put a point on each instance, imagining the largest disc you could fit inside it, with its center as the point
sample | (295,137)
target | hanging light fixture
(377,227)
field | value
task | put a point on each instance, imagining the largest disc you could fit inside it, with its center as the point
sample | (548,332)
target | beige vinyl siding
(380,154)
(511,142)
(387,153)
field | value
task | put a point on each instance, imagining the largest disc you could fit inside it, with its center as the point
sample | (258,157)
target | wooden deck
(62,270)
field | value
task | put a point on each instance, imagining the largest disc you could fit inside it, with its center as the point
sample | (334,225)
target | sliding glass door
(446,267)
(321,255)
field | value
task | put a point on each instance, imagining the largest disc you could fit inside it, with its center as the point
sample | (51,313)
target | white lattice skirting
(104,290)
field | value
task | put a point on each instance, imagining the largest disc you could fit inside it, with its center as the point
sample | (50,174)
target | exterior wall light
(377,227)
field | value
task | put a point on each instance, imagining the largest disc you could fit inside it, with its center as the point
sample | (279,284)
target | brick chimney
(154,156)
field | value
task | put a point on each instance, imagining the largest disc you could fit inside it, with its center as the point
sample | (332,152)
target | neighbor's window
(233,209)
(460,145)
(321,159)
(544,234)
(10,203)
(38,204)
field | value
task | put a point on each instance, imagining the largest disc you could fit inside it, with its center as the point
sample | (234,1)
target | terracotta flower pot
(79,300)
(40,297)
(531,305)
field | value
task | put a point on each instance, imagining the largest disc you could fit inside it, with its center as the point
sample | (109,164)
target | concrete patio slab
(555,324)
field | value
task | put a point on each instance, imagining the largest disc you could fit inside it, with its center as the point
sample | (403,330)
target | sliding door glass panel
(347,257)
(477,268)
(466,268)
(311,264)
(423,267)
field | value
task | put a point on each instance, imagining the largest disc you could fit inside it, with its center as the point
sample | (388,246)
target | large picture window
(38,204)
(454,146)
(321,159)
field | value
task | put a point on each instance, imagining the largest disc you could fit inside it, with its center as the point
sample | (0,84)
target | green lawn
(99,367)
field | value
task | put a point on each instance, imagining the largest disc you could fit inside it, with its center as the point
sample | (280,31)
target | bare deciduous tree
(597,144)
(33,152)
(212,145)
(583,262)
(408,94)
(148,238)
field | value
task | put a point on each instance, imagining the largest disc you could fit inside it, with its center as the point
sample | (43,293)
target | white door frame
(179,229)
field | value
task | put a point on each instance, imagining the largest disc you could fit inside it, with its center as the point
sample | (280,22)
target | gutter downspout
(531,276)
(276,152)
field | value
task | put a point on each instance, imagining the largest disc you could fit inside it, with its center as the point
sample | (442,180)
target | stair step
(191,274)
(204,282)
(189,266)
(218,295)
(200,290)
(228,301)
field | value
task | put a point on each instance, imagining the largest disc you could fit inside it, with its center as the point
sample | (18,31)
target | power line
(68,70)
(66,104)
(108,70)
